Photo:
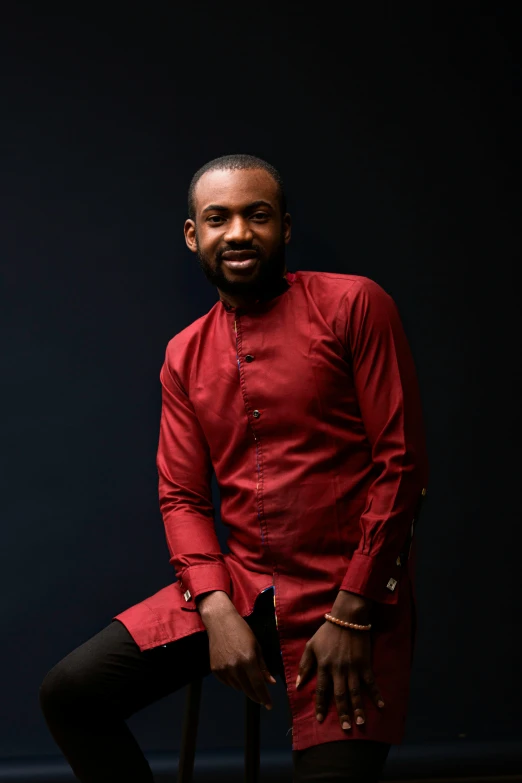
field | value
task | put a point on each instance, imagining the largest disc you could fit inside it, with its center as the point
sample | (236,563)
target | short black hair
(236,162)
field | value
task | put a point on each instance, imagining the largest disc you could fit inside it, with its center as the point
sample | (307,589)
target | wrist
(213,604)
(352,607)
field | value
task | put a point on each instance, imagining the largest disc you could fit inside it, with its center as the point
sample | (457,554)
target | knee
(63,688)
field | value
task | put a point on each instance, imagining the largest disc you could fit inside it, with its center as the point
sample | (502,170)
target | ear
(287,228)
(189,230)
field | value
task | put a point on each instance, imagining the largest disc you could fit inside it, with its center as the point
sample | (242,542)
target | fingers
(256,673)
(342,699)
(263,667)
(226,676)
(371,685)
(262,672)
(354,687)
(306,665)
(347,694)
(350,675)
(247,677)
(259,674)
(253,685)
(321,693)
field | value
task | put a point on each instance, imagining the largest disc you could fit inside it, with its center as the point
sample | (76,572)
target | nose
(238,231)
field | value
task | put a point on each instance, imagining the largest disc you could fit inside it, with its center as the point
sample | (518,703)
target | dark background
(397,130)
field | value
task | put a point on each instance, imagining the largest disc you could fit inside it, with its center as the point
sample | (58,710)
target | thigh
(110,671)
(346,761)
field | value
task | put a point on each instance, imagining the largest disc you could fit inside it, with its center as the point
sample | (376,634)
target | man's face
(238,219)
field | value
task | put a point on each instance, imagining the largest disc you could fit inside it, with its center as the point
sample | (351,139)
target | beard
(266,276)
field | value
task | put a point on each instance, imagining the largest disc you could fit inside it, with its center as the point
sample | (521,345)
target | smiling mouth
(240,263)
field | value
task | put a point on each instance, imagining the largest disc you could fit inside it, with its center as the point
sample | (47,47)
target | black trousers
(87,697)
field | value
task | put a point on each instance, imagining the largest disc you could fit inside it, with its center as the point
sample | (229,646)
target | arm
(389,401)
(185,468)
(185,495)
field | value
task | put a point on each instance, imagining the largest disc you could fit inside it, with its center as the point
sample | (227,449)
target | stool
(190,728)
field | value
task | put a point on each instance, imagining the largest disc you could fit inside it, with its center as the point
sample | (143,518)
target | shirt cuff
(206,578)
(376,578)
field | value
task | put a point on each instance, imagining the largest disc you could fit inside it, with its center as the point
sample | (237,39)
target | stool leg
(190,731)
(252,740)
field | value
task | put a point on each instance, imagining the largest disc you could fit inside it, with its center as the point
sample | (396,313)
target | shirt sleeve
(389,401)
(185,494)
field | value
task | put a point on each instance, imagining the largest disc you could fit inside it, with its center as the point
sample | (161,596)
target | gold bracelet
(355,626)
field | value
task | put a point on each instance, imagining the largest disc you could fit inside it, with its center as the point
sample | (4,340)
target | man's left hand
(343,660)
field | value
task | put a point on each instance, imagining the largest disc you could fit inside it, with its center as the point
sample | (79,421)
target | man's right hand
(235,654)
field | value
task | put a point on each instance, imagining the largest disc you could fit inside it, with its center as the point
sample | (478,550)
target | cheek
(206,243)
(269,239)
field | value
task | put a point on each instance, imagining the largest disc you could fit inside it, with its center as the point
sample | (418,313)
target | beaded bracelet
(355,626)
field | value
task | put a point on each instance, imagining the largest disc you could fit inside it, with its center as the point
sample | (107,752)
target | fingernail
(298,681)
(359,720)
(272,678)
(346,725)
(380,704)
(319,717)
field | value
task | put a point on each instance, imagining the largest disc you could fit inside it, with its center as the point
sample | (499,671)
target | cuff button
(392,584)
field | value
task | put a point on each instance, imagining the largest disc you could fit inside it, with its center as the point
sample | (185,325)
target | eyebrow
(253,205)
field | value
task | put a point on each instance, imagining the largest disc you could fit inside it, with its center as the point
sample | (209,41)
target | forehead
(234,188)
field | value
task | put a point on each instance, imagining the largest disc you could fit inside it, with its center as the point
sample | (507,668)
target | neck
(277,287)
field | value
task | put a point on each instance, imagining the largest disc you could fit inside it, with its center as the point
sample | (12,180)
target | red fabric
(307,408)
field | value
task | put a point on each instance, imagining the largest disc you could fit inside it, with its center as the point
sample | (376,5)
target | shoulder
(185,342)
(343,287)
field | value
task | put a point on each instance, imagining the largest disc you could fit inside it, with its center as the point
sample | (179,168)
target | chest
(279,373)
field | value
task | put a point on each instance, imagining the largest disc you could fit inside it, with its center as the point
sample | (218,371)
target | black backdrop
(396,129)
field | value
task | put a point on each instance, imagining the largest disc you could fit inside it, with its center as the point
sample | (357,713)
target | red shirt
(307,408)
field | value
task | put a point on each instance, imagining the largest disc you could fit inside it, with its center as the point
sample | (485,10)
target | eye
(260,216)
(215,219)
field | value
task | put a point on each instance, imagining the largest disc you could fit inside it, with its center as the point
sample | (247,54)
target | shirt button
(256,414)
(249,358)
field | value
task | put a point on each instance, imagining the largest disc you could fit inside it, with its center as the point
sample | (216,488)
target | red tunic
(307,408)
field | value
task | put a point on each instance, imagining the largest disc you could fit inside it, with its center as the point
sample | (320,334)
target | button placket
(256,414)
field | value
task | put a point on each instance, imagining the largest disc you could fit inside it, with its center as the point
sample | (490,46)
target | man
(299,391)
